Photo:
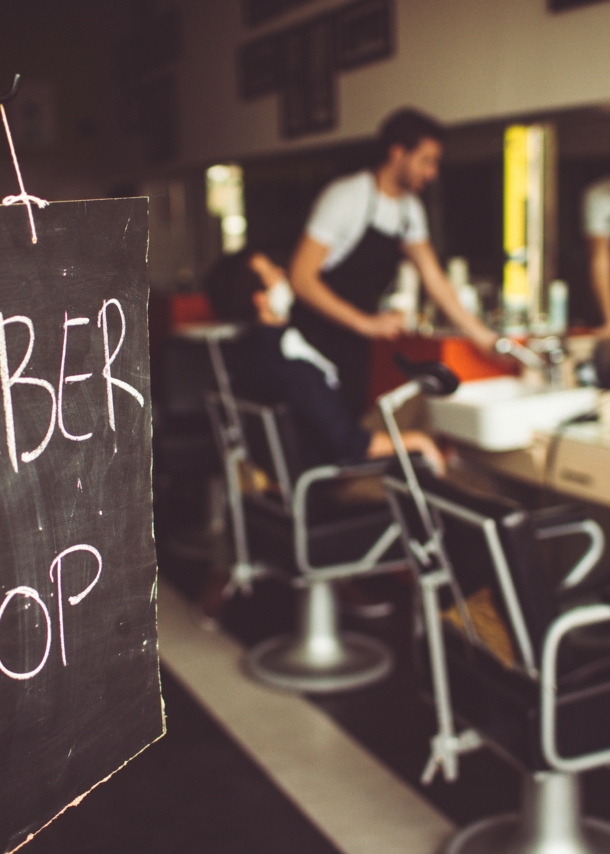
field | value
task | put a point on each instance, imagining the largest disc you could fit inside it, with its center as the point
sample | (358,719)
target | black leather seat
(503,657)
(187,468)
(182,436)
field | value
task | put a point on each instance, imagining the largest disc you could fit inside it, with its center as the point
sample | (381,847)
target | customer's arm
(599,267)
(309,287)
(321,410)
(412,440)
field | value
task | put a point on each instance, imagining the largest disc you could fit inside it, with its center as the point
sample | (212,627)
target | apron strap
(371,208)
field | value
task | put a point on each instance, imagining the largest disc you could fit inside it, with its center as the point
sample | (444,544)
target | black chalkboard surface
(79,678)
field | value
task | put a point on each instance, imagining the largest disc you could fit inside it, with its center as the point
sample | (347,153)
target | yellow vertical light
(516,288)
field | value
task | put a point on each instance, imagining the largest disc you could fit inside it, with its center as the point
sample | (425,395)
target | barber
(596,216)
(360,228)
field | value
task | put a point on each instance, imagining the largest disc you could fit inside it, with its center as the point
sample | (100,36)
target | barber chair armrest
(559,514)
(299,508)
(315,475)
(567,521)
(576,618)
(366,469)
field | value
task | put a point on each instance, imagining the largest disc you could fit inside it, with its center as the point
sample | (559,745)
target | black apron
(361,278)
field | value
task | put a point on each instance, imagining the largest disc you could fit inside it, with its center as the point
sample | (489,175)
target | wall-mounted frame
(257,12)
(560,5)
(363,33)
(300,62)
(258,67)
(307,95)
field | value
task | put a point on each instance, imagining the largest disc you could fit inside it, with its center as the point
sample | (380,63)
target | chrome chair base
(501,835)
(319,658)
(292,664)
(550,823)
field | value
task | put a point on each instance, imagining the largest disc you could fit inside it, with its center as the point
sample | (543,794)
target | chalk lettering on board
(73,600)
(7,381)
(29,593)
(102,321)
(74,378)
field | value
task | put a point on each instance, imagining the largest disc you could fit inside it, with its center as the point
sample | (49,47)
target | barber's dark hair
(230,285)
(407,128)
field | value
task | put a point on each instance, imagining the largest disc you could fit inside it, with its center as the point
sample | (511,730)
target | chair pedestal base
(319,659)
(550,823)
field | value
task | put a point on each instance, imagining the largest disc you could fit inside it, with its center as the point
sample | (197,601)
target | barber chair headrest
(434,377)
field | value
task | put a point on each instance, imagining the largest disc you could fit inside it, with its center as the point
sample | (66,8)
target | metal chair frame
(319,658)
(551,815)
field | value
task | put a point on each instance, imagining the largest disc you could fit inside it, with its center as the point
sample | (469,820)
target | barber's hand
(484,339)
(602,331)
(387,324)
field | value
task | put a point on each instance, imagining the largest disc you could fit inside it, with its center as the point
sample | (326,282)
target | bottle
(458,274)
(406,295)
(469,298)
(558,307)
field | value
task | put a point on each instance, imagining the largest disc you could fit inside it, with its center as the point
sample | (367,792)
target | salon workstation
(338,324)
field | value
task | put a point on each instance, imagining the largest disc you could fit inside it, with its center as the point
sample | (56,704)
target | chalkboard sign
(79,676)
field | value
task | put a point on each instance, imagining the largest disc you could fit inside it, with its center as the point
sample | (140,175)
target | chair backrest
(183,437)
(266,432)
(180,372)
(272,443)
(490,544)
(485,542)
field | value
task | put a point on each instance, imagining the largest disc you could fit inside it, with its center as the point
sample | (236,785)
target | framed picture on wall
(257,12)
(307,94)
(363,33)
(257,64)
(560,5)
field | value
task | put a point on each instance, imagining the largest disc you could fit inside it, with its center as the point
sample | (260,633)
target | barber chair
(184,443)
(186,458)
(501,655)
(288,521)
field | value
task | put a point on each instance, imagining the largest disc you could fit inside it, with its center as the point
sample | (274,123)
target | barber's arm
(599,267)
(308,286)
(442,292)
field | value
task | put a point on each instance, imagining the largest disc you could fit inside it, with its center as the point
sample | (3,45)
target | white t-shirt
(345,209)
(596,209)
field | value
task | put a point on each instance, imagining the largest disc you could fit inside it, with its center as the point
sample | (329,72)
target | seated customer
(278,364)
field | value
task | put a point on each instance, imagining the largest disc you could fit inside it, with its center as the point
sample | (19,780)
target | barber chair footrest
(502,834)
(288,662)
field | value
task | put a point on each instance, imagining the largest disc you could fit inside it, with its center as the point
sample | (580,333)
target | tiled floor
(248,769)
(390,719)
(243,768)
(354,799)
(193,792)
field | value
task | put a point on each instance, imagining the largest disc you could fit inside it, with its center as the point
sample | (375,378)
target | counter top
(575,462)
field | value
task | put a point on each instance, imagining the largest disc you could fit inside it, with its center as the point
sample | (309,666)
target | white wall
(461,60)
